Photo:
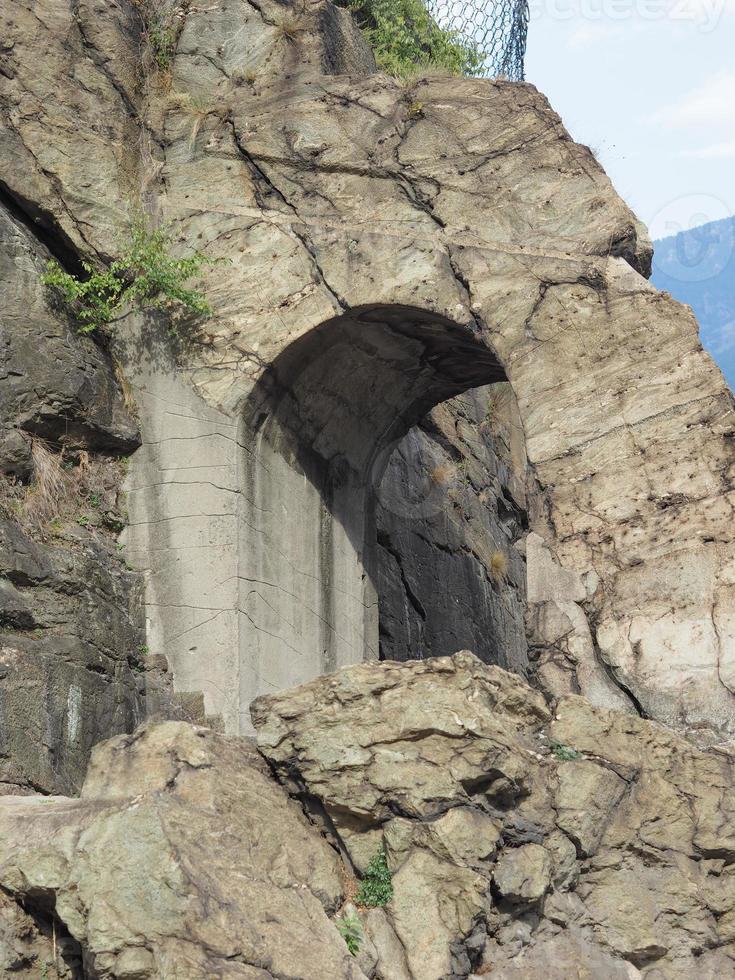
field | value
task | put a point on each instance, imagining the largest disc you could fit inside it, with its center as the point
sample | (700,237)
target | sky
(650,86)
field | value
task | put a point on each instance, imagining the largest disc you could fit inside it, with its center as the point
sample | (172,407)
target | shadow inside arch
(336,401)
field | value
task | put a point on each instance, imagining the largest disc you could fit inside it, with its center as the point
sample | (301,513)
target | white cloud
(716,151)
(590,33)
(721,340)
(712,103)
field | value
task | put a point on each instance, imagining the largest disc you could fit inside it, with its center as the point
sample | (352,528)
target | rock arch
(319,427)
(629,548)
(463,198)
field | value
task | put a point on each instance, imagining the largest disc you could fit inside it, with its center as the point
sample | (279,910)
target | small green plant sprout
(350,930)
(143,649)
(94,500)
(145,276)
(162,39)
(376,887)
(565,752)
(82,520)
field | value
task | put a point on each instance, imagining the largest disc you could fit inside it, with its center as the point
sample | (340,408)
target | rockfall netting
(496,29)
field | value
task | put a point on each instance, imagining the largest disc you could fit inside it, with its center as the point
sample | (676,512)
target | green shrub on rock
(565,752)
(350,930)
(376,887)
(404,36)
(145,276)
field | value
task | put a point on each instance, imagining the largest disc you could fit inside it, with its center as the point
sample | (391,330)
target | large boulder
(520,844)
(183,858)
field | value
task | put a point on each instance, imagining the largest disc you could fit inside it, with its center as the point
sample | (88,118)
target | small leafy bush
(376,887)
(350,930)
(162,39)
(145,276)
(565,752)
(403,36)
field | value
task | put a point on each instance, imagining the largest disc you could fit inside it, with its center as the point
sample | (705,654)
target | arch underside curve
(319,429)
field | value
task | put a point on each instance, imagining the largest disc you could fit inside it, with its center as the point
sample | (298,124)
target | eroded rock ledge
(520,845)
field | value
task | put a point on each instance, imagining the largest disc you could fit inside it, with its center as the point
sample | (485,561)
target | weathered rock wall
(590,841)
(71,624)
(390,246)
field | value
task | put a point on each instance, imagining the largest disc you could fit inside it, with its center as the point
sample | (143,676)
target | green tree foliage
(376,887)
(145,276)
(403,37)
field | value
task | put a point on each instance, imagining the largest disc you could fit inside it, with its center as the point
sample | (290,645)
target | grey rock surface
(183,858)
(55,384)
(71,665)
(71,628)
(451,509)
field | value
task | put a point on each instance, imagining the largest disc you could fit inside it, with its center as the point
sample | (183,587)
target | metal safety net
(496,29)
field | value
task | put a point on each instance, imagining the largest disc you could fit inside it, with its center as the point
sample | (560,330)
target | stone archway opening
(318,432)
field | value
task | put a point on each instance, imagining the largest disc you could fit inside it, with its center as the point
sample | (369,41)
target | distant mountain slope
(698,267)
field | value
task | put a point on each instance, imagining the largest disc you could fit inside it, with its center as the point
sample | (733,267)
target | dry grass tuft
(443,475)
(50,488)
(127,392)
(497,406)
(421,71)
(66,488)
(498,566)
(246,76)
(350,884)
(180,100)
(287,27)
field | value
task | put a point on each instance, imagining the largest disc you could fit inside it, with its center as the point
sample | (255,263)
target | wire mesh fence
(496,29)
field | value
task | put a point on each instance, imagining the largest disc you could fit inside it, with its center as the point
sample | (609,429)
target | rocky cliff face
(385,254)
(70,611)
(519,844)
